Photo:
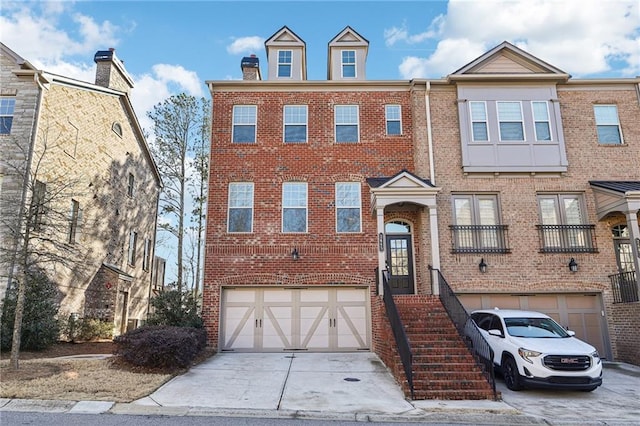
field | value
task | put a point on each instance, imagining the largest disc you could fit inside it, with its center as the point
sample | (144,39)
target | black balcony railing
(567,238)
(469,331)
(479,238)
(625,287)
(402,341)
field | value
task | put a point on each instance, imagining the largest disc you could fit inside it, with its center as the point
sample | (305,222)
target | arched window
(117,128)
(397,227)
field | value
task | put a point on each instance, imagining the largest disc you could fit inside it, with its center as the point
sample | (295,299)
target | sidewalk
(353,387)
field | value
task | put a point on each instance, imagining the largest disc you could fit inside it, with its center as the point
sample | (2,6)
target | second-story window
(75,221)
(284,63)
(348,63)
(131,254)
(542,124)
(38,205)
(510,121)
(7,107)
(393,118)
(348,207)
(244,123)
(479,128)
(477,227)
(607,124)
(240,216)
(347,123)
(295,123)
(294,207)
(131,185)
(146,259)
(563,225)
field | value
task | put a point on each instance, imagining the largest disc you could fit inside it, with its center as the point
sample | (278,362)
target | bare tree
(181,125)
(37,226)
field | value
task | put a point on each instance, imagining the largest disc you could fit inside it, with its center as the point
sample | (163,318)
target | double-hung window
(348,63)
(131,185)
(7,107)
(38,205)
(284,63)
(347,123)
(477,227)
(244,123)
(348,207)
(607,124)
(240,217)
(541,120)
(393,118)
(479,128)
(75,221)
(510,121)
(295,123)
(133,241)
(563,225)
(294,207)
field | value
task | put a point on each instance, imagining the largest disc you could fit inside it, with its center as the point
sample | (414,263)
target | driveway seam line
(284,385)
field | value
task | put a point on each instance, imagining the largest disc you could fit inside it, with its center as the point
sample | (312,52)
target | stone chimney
(250,68)
(110,71)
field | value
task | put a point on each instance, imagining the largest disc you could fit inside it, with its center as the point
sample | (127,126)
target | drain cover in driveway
(351,379)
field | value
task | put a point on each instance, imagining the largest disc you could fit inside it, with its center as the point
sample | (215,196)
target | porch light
(482,266)
(573,266)
(294,254)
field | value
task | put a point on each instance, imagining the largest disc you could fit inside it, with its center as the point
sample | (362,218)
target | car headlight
(596,356)
(526,354)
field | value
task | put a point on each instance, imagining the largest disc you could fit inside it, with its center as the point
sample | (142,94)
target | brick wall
(626,323)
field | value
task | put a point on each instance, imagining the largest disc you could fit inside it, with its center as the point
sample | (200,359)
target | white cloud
(580,37)
(245,45)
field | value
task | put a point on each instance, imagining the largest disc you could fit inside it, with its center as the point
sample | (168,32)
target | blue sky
(175,46)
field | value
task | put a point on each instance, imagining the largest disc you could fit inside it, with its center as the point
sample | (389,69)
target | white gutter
(432,173)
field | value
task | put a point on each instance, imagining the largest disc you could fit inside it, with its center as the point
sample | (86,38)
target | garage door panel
(277,329)
(351,322)
(314,327)
(239,328)
(542,301)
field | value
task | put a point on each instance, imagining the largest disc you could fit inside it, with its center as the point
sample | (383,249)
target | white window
(244,123)
(393,118)
(349,63)
(295,123)
(541,120)
(479,128)
(563,223)
(284,63)
(607,124)
(477,223)
(146,259)
(133,241)
(7,107)
(347,123)
(510,121)
(348,207)
(75,222)
(240,216)
(294,207)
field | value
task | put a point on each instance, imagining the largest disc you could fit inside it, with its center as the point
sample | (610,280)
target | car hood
(566,345)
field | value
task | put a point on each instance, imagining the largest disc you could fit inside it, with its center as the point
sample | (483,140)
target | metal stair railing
(468,330)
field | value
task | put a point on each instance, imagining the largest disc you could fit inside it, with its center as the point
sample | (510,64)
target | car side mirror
(571,333)
(495,332)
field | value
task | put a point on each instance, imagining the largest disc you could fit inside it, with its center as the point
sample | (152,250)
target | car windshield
(535,327)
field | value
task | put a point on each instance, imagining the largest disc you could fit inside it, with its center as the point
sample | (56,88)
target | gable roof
(507,61)
(402,178)
(284,36)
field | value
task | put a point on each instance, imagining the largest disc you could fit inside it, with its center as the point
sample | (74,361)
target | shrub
(175,308)
(77,329)
(161,347)
(40,328)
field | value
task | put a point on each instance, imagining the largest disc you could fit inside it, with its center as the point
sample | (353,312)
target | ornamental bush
(176,308)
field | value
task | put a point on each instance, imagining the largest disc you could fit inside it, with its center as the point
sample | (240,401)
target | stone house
(77,166)
(497,180)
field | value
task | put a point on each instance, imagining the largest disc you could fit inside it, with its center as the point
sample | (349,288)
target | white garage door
(270,319)
(581,313)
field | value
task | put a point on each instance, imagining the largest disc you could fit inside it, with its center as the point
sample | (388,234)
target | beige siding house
(77,151)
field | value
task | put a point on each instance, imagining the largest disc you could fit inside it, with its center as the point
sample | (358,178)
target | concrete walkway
(354,387)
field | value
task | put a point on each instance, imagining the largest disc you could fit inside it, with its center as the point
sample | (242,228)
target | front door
(400,264)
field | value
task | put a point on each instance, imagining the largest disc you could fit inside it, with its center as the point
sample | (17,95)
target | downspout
(27,176)
(433,218)
(432,173)
(153,256)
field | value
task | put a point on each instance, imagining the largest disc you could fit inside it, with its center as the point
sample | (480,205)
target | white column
(634,237)
(435,248)
(381,247)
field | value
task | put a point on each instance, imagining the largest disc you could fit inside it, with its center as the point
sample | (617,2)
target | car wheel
(510,374)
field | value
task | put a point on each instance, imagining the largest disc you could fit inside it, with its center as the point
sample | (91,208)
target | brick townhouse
(76,152)
(495,180)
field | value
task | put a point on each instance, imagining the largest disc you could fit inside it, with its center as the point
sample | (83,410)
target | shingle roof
(621,186)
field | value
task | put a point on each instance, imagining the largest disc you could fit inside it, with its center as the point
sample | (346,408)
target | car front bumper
(562,382)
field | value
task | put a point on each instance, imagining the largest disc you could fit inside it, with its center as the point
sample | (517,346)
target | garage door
(581,313)
(273,319)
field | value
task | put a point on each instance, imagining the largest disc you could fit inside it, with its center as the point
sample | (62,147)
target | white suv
(530,349)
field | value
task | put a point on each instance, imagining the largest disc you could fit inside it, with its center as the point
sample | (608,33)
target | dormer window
(284,64)
(348,63)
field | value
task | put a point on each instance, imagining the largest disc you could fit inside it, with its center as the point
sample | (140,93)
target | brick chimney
(110,71)
(250,68)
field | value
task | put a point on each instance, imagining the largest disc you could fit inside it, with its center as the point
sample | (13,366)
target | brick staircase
(443,367)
